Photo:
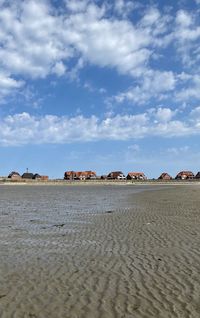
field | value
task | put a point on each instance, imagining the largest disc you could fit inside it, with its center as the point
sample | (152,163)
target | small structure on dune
(14,176)
(116,175)
(136,176)
(197,175)
(27,175)
(185,175)
(80,175)
(165,176)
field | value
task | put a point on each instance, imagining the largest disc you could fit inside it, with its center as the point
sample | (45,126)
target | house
(69,175)
(44,178)
(91,175)
(136,176)
(197,176)
(14,176)
(165,176)
(103,177)
(116,175)
(27,175)
(80,175)
(37,176)
(183,175)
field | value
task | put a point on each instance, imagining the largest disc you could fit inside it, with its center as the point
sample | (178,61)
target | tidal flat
(100,251)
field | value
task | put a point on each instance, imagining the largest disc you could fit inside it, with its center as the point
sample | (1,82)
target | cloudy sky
(99,85)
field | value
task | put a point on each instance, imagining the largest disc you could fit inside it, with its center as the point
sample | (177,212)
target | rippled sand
(101,251)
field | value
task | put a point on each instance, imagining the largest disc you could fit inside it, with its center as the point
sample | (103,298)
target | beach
(100,251)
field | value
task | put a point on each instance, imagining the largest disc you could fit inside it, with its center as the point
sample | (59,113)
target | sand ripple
(142,260)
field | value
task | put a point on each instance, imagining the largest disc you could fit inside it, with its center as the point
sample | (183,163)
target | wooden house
(184,175)
(136,176)
(165,176)
(116,175)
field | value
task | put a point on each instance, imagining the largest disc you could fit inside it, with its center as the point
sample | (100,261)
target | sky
(99,85)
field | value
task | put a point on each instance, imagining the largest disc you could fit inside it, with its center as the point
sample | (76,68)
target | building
(80,175)
(39,177)
(44,178)
(27,175)
(116,175)
(165,176)
(14,176)
(69,175)
(136,176)
(197,175)
(183,175)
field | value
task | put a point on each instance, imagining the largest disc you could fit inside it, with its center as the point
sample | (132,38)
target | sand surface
(100,252)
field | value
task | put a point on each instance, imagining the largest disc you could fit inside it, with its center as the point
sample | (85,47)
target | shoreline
(99,182)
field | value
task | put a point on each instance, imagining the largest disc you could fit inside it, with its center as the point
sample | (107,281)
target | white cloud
(124,7)
(164,114)
(21,129)
(191,90)
(77,5)
(38,39)
(154,84)
(186,36)
(59,69)
(8,85)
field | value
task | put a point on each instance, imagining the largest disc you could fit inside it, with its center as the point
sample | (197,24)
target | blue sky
(101,85)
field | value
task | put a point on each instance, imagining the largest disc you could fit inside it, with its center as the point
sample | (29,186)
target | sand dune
(138,256)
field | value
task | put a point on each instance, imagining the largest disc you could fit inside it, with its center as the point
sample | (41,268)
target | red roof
(136,174)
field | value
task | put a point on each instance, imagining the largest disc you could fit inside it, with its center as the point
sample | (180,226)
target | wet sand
(100,252)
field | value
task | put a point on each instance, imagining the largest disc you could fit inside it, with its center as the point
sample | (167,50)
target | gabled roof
(187,173)
(14,173)
(136,174)
(164,175)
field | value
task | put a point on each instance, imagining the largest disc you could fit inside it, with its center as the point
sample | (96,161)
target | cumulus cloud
(154,85)
(22,129)
(38,39)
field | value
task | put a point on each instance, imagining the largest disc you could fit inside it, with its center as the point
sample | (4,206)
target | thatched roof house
(27,175)
(136,176)
(197,175)
(183,175)
(165,176)
(14,175)
(117,175)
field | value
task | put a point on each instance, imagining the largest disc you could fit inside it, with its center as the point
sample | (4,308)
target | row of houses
(14,175)
(119,175)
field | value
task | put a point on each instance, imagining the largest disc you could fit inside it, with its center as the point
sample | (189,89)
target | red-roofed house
(80,175)
(165,176)
(183,175)
(116,175)
(136,176)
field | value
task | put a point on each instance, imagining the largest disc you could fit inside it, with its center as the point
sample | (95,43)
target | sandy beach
(100,251)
